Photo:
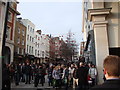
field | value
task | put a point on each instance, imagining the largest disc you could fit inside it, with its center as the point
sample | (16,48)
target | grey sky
(55,18)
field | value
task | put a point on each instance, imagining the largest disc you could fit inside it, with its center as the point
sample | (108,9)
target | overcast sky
(55,18)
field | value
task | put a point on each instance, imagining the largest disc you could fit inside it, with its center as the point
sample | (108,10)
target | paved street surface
(23,86)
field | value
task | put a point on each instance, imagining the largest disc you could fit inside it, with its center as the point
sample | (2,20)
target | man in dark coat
(28,73)
(112,72)
(82,75)
(5,78)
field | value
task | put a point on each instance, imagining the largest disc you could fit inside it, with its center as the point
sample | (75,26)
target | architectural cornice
(98,12)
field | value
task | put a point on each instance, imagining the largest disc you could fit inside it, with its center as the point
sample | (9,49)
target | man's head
(81,64)
(112,66)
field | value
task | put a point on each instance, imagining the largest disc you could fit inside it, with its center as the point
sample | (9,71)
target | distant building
(41,47)
(55,48)
(45,47)
(19,41)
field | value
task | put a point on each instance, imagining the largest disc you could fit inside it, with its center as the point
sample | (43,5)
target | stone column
(2,21)
(98,17)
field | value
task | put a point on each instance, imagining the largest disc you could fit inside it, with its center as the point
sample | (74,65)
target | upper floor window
(32,50)
(30,38)
(36,36)
(38,53)
(11,4)
(31,29)
(42,53)
(8,32)
(18,40)
(38,45)
(23,32)
(18,50)
(28,27)
(35,52)
(23,42)
(27,37)
(22,51)
(9,16)
(27,48)
(19,30)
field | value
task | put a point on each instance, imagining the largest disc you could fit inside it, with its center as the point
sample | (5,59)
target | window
(30,38)
(42,53)
(18,50)
(8,32)
(31,29)
(38,53)
(36,36)
(27,48)
(38,45)
(32,50)
(23,42)
(18,40)
(28,27)
(27,37)
(9,16)
(19,30)
(35,52)
(22,51)
(23,32)
(11,4)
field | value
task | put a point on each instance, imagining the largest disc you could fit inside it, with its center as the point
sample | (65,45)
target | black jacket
(113,84)
(28,69)
(82,75)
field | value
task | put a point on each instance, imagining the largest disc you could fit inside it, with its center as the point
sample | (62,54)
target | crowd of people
(80,76)
(60,75)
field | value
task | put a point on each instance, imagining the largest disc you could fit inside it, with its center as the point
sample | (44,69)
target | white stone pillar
(98,17)
(2,21)
(101,47)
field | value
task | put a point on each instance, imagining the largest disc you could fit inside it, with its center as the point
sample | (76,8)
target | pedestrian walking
(28,73)
(93,74)
(82,75)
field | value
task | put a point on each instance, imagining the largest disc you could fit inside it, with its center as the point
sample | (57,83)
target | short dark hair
(112,65)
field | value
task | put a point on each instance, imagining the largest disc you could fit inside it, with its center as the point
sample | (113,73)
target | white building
(41,46)
(30,34)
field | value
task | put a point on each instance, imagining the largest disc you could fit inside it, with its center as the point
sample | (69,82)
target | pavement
(23,86)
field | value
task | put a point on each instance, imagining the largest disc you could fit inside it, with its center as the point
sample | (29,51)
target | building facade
(12,13)
(30,35)
(104,32)
(41,47)
(56,46)
(52,49)
(19,41)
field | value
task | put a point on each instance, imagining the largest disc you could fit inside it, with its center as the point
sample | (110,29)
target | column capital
(98,12)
